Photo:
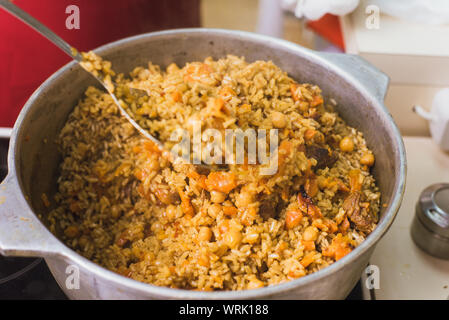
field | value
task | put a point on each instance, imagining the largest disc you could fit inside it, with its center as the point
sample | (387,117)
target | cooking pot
(33,159)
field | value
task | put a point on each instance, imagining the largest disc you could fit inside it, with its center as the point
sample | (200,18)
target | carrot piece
(226,92)
(331,225)
(194,72)
(248,216)
(137,149)
(341,252)
(317,100)
(218,104)
(230,211)
(344,226)
(308,245)
(221,181)
(151,147)
(292,218)
(176,96)
(284,150)
(186,205)
(338,248)
(198,178)
(139,174)
(244,108)
(342,186)
(355,180)
(296,95)
(308,259)
(309,134)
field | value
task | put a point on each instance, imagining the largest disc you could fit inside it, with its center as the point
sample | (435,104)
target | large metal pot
(358,87)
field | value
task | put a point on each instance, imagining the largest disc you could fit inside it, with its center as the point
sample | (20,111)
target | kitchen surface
(383,34)
(406,272)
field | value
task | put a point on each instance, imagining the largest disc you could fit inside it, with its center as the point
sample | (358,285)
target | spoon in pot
(73,53)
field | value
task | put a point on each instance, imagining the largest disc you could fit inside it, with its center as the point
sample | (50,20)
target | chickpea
(367,159)
(303,106)
(346,144)
(233,238)
(243,199)
(223,227)
(310,234)
(278,119)
(156,227)
(309,134)
(217,196)
(72,231)
(83,241)
(170,212)
(254,284)
(115,212)
(248,216)
(214,210)
(205,234)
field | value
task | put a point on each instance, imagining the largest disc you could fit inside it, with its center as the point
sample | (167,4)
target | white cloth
(421,11)
(315,9)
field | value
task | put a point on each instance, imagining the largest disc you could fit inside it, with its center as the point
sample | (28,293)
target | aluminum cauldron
(33,159)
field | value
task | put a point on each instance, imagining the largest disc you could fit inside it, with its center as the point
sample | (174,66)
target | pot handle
(374,80)
(5,133)
(21,232)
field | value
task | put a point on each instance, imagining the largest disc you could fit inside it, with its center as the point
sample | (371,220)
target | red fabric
(329,28)
(27,59)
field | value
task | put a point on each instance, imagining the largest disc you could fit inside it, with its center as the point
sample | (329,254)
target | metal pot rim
(371,240)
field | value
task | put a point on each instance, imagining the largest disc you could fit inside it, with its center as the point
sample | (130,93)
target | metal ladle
(73,53)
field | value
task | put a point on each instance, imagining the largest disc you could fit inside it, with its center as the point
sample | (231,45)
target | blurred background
(103,21)
(407,39)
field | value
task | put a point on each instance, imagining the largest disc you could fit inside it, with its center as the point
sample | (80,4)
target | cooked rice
(122,205)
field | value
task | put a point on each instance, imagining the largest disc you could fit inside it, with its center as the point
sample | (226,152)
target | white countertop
(406,272)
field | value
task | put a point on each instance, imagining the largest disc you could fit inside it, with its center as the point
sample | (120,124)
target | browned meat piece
(267,209)
(167,196)
(361,217)
(270,206)
(321,155)
(307,206)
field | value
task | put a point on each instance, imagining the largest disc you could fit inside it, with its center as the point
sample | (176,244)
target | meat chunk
(323,157)
(361,217)
(307,206)
(267,209)
(270,206)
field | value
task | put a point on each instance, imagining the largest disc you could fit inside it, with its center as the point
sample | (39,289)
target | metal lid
(430,228)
